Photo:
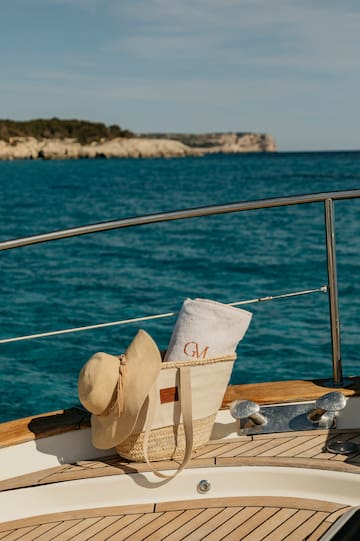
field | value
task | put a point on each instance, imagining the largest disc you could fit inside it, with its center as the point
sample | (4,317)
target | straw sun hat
(114,389)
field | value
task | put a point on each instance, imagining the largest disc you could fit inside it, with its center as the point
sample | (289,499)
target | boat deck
(239,518)
(252,518)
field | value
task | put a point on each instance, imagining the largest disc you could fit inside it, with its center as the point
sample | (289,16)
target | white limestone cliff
(135,147)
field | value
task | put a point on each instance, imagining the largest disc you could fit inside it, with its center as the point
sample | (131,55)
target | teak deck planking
(227,519)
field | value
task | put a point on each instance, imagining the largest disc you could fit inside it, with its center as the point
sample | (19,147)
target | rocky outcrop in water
(227,143)
(145,146)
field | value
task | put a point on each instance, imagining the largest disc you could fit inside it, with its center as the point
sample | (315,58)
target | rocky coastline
(143,146)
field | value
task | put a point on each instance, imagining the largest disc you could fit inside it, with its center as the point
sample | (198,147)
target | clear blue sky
(287,67)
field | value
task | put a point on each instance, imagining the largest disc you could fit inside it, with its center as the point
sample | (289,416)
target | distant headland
(56,138)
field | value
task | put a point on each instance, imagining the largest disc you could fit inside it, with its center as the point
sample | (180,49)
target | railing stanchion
(333,292)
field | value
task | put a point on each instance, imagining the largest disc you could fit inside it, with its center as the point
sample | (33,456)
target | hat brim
(143,367)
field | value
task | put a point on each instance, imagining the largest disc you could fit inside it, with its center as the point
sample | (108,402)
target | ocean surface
(151,269)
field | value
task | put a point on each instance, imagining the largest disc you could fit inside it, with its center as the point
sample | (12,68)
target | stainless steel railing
(179,215)
(327,198)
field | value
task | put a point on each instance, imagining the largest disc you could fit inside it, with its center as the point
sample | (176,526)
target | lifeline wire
(322,289)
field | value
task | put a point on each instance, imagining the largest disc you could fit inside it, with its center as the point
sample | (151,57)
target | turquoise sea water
(151,269)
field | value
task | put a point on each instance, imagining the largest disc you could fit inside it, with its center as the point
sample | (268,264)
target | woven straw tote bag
(178,416)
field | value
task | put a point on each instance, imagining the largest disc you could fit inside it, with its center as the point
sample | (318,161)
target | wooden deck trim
(76,514)
(162,508)
(285,391)
(251,501)
(58,422)
(42,426)
(68,472)
(292,462)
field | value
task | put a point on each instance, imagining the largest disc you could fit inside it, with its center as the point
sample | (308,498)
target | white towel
(206,329)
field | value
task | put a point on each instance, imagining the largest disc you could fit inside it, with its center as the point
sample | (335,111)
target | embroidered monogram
(191,349)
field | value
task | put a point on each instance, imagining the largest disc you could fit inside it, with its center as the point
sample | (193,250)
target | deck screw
(203,486)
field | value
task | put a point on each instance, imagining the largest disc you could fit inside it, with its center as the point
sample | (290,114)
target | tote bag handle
(186,409)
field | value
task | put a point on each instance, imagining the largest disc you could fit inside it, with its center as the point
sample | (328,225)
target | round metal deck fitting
(327,407)
(334,401)
(246,409)
(203,486)
(339,447)
(240,409)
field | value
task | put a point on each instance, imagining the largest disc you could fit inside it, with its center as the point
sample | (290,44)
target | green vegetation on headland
(54,128)
(56,139)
